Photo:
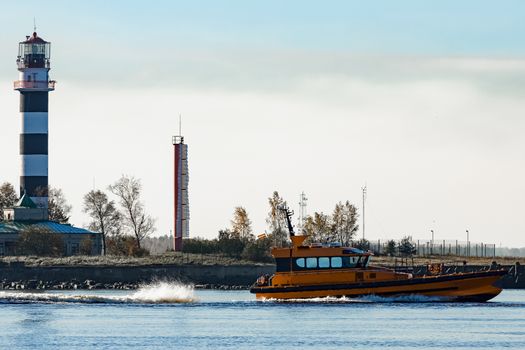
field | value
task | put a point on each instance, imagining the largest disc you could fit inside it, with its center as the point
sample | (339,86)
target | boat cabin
(316,257)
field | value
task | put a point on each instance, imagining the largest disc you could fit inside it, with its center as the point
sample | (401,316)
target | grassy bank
(112,260)
(212,259)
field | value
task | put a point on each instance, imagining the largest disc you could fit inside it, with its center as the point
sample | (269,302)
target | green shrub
(362,244)
(406,247)
(391,248)
(258,250)
(124,245)
(200,246)
(231,247)
(40,242)
(86,246)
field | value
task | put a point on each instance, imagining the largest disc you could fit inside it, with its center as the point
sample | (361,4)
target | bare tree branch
(105,217)
(57,206)
(128,190)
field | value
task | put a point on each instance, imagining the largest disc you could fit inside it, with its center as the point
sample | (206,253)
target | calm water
(234,320)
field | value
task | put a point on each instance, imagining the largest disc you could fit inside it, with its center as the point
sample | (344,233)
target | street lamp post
(432,242)
(468,244)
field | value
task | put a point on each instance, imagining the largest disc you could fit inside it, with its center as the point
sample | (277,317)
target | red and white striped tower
(181,204)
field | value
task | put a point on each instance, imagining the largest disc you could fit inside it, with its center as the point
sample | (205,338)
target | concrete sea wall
(231,275)
(224,275)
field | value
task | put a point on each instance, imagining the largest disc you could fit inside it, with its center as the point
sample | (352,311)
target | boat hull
(466,287)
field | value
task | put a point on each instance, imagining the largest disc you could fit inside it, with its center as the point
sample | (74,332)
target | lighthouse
(34,85)
(31,212)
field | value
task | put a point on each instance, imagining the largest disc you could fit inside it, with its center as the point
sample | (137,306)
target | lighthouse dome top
(34,52)
(34,39)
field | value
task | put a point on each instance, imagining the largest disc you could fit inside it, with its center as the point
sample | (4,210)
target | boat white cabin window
(336,262)
(311,263)
(350,261)
(324,263)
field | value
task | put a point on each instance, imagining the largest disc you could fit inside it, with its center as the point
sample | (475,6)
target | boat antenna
(364,189)
(288,216)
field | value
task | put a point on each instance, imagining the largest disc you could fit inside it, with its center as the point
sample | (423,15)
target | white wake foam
(412,298)
(164,292)
(156,293)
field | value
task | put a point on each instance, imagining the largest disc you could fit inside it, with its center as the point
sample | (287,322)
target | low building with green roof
(25,216)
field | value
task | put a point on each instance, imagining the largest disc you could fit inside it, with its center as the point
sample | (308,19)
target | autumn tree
(276,220)
(125,245)
(57,206)
(105,218)
(128,190)
(318,228)
(241,224)
(8,197)
(344,223)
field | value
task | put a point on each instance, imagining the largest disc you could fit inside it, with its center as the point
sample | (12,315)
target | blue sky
(420,100)
(412,27)
(196,35)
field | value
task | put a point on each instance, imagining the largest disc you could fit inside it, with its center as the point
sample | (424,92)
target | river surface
(172,316)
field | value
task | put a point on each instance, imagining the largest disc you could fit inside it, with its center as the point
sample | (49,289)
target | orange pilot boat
(316,270)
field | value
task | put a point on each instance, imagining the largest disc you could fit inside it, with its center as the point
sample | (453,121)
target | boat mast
(288,216)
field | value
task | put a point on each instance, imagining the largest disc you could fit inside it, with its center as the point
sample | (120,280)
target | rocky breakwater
(18,276)
(58,285)
(89,285)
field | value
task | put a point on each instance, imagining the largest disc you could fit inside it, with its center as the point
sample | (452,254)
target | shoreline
(200,271)
(18,276)
(42,286)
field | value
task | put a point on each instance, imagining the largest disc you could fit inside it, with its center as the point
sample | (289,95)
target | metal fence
(439,248)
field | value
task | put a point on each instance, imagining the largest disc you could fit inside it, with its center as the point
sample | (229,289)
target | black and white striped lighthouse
(34,85)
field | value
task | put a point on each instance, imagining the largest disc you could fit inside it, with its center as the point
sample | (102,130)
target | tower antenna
(180,124)
(34,24)
(302,206)
(364,198)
